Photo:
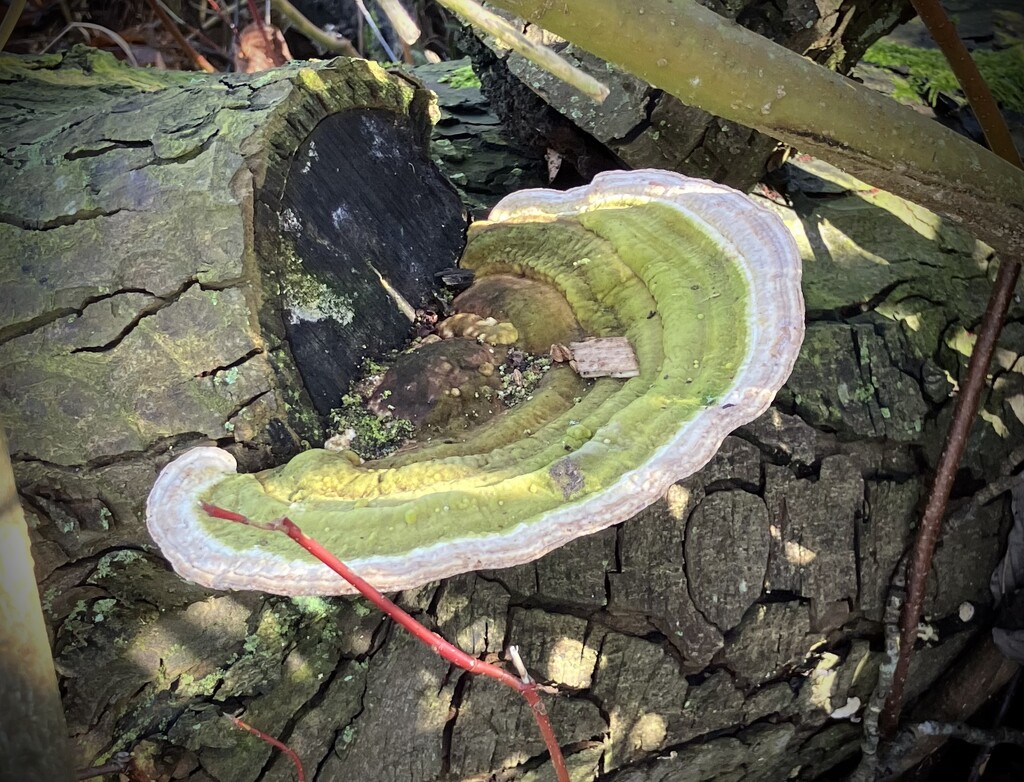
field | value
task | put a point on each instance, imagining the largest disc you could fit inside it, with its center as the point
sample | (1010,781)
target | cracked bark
(667,667)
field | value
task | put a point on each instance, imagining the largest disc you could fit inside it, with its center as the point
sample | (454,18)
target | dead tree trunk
(190,256)
(712,637)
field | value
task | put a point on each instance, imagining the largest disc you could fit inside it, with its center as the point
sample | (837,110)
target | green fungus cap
(704,284)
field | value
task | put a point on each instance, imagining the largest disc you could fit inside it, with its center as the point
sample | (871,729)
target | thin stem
(293,756)
(14,11)
(332,42)
(931,520)
(998,136)
(993,125)
(198,60)
(528,688)
(405,27)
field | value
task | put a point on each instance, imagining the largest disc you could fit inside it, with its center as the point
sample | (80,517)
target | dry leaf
(560,354)
(260,48)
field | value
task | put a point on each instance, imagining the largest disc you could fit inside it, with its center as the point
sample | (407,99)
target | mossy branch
(714,64)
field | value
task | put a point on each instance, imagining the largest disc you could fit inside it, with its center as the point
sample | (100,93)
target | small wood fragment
(605,357)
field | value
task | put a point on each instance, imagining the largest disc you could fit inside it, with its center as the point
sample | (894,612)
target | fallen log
(713,635)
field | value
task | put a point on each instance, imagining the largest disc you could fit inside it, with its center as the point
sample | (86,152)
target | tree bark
(188,257)
(710,637)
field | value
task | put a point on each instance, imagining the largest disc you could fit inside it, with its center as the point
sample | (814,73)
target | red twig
(525,686)
(980,98)
(300,773)
(256,17)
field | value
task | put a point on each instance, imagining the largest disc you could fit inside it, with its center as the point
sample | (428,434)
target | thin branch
(713,64)
(536,53)
(998,136)
(529,690)
(944,33)
(957,730)
(405,27)
(200,62)
(332,42)
(372,24)
(964,412)
(866,770)
(117,765)
(292,755)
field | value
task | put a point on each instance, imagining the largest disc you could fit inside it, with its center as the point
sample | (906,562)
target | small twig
(866,770)
(529,689)
(405,27)
(993,125)
(200,62)
(957,730)
(985,753)
(257,18)
(964,412)
(332,42)
(299,771)
(376,31)
(536,53)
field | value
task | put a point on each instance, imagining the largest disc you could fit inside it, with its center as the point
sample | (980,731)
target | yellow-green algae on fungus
(705,285)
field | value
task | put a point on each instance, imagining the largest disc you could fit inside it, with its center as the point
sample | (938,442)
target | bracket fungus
(705,285)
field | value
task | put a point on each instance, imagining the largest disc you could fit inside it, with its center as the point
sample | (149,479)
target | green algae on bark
(703,283)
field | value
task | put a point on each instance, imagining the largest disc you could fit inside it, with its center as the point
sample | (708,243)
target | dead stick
(943,32)
(526,687)
(980,97)
(200,62)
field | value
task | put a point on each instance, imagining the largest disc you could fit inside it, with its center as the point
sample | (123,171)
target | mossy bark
(708,638)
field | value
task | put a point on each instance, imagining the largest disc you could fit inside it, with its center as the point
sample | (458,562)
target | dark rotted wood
(362,204)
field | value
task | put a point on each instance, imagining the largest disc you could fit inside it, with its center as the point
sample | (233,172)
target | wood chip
(605,357)
(560,353)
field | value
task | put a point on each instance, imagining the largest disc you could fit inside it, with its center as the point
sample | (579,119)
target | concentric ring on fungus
(721,276)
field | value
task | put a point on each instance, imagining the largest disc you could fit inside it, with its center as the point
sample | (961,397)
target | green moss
(308,298)
(519,384)
(461,78)
(372,437)
(929,73)
(105,567)
(228,377)
(314,607)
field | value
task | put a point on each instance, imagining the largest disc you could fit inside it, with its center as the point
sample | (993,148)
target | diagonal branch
(714,64)
(998,136)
